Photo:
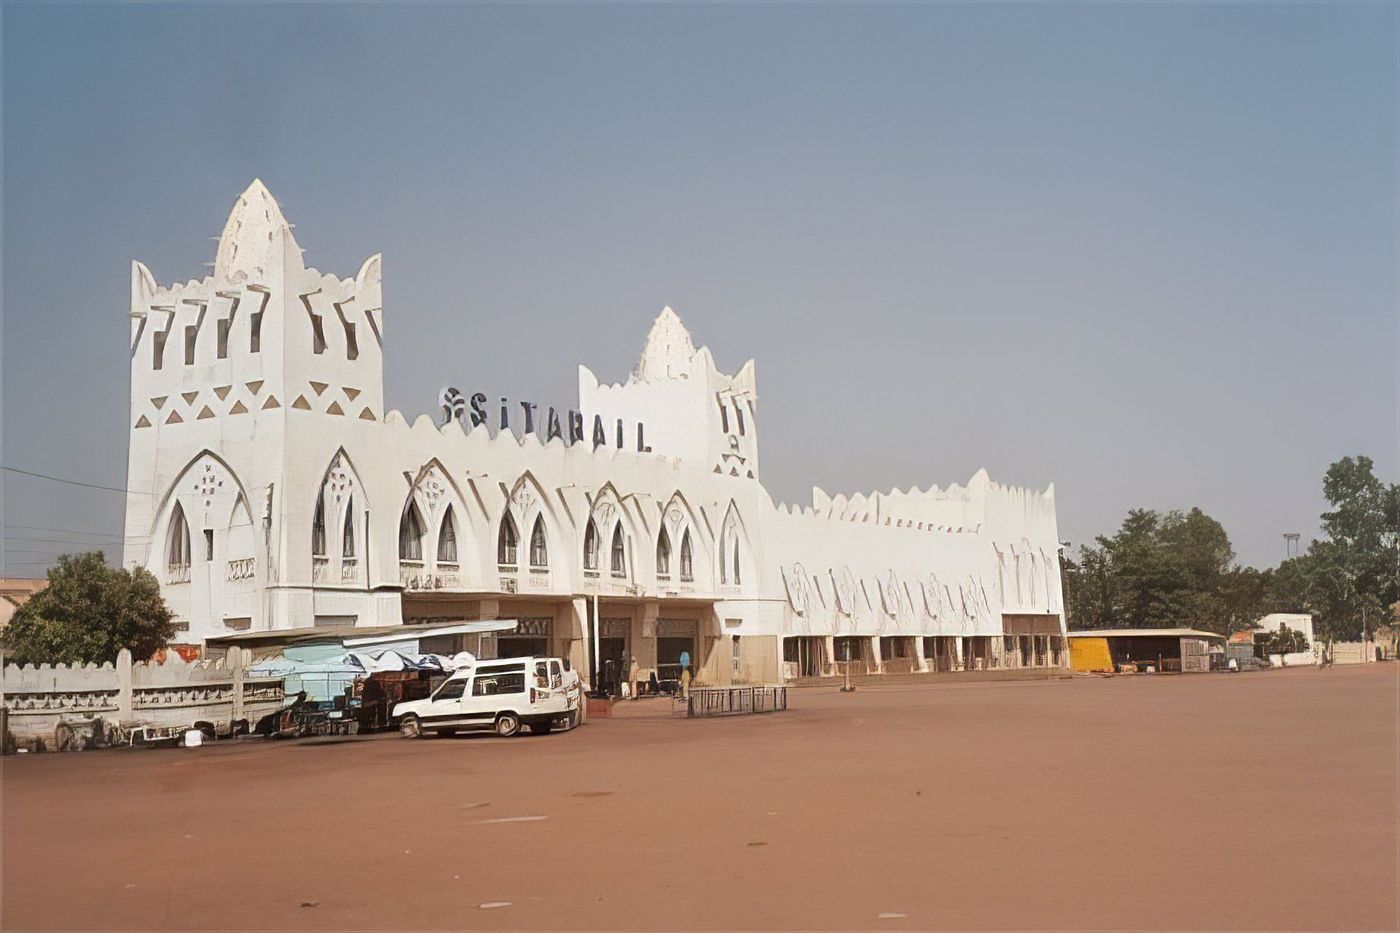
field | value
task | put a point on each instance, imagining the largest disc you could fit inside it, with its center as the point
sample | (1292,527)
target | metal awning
(356,635)
(411,633)
(1143,633)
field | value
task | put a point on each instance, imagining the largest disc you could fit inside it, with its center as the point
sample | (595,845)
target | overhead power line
(71,482)
(65,531)
(62,539)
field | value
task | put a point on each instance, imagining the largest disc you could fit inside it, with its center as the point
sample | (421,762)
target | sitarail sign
(471,412)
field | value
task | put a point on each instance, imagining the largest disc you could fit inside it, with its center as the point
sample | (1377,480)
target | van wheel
(539,728)
(410,727)
(507,725)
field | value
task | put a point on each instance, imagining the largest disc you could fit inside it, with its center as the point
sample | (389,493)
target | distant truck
(499,696)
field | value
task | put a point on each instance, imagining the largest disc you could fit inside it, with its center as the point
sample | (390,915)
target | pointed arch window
(347,531)
(619,552)
(318,528)
(507,542)
(411,534)
(447,539)
(687,559)
(723,558)
(737,581)
(663,555)
(178,547)
(590,546)
(539,551)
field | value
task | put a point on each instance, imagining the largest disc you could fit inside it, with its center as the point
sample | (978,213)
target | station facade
(269,489)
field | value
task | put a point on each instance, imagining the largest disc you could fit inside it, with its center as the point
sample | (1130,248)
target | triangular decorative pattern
(366,415)
(319,387)
(205,413)
(271,403)
(352,394)
(301,403)
(222,392)
(238,409)
(159,401)
(335,409)
(143,422)
(174,418)
(189,397)
(254,386)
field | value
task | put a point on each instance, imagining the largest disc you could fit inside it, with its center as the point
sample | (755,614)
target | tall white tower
(219,368)
(692,411)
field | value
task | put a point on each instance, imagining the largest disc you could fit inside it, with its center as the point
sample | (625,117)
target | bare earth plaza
(1085,804)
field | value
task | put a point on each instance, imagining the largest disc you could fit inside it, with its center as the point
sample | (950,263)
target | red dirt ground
(1252,801)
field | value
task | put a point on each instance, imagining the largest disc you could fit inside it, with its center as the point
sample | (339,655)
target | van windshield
(451,689)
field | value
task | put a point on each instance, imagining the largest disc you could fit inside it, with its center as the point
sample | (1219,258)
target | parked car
(500,696)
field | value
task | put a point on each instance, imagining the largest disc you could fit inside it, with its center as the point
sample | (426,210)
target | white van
(497,695)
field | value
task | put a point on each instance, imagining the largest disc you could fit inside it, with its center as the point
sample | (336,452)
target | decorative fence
(176,693)
(733,701)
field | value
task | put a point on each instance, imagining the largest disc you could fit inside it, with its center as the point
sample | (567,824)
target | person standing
(634,671)
(685,673)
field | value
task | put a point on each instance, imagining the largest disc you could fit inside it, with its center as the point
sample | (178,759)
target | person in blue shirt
(685,673)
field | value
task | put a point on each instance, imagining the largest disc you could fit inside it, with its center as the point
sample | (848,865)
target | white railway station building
(271,490)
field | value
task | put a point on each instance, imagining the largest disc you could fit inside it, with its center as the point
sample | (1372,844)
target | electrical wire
(71,482)
(66,531)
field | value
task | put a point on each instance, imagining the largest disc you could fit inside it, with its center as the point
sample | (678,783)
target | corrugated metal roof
(1143,633)
(359,634)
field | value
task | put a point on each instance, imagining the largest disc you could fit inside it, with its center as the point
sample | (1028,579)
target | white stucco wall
(246,444)
(1298,622)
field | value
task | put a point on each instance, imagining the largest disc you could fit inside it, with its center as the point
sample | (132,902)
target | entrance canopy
(356,636)
(1145,633)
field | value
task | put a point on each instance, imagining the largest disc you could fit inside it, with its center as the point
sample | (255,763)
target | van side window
(556,676)
(489,685)
(541,674)
(451,690)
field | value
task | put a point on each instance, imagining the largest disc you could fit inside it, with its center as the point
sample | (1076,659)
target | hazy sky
(1146,252)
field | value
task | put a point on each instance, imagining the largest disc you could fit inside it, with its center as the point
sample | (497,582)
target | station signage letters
(471,412)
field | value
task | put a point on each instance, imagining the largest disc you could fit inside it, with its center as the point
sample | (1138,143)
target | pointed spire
(254,236)
(668,351)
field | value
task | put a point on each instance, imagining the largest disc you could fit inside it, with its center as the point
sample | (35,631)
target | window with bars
(539,550)
(687,559)
(507,542)
(663,554)
(619,553)
(318,528)
(447,539)
(411,534)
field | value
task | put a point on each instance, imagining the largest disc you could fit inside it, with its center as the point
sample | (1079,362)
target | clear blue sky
(1148,252)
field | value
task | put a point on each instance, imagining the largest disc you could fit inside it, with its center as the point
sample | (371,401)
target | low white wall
(175,693)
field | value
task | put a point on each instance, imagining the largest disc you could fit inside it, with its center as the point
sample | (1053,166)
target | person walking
(634,671)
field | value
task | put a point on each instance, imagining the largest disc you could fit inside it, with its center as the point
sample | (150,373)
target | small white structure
(1298,622)
(270,489)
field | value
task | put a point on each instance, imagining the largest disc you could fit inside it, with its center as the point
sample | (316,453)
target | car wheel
(507,725)
(410,727)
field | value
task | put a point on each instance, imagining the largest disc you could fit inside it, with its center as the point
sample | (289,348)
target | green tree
(1178,569)
(1160,570)
(1089,589)
(1348,578)
(87,614)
